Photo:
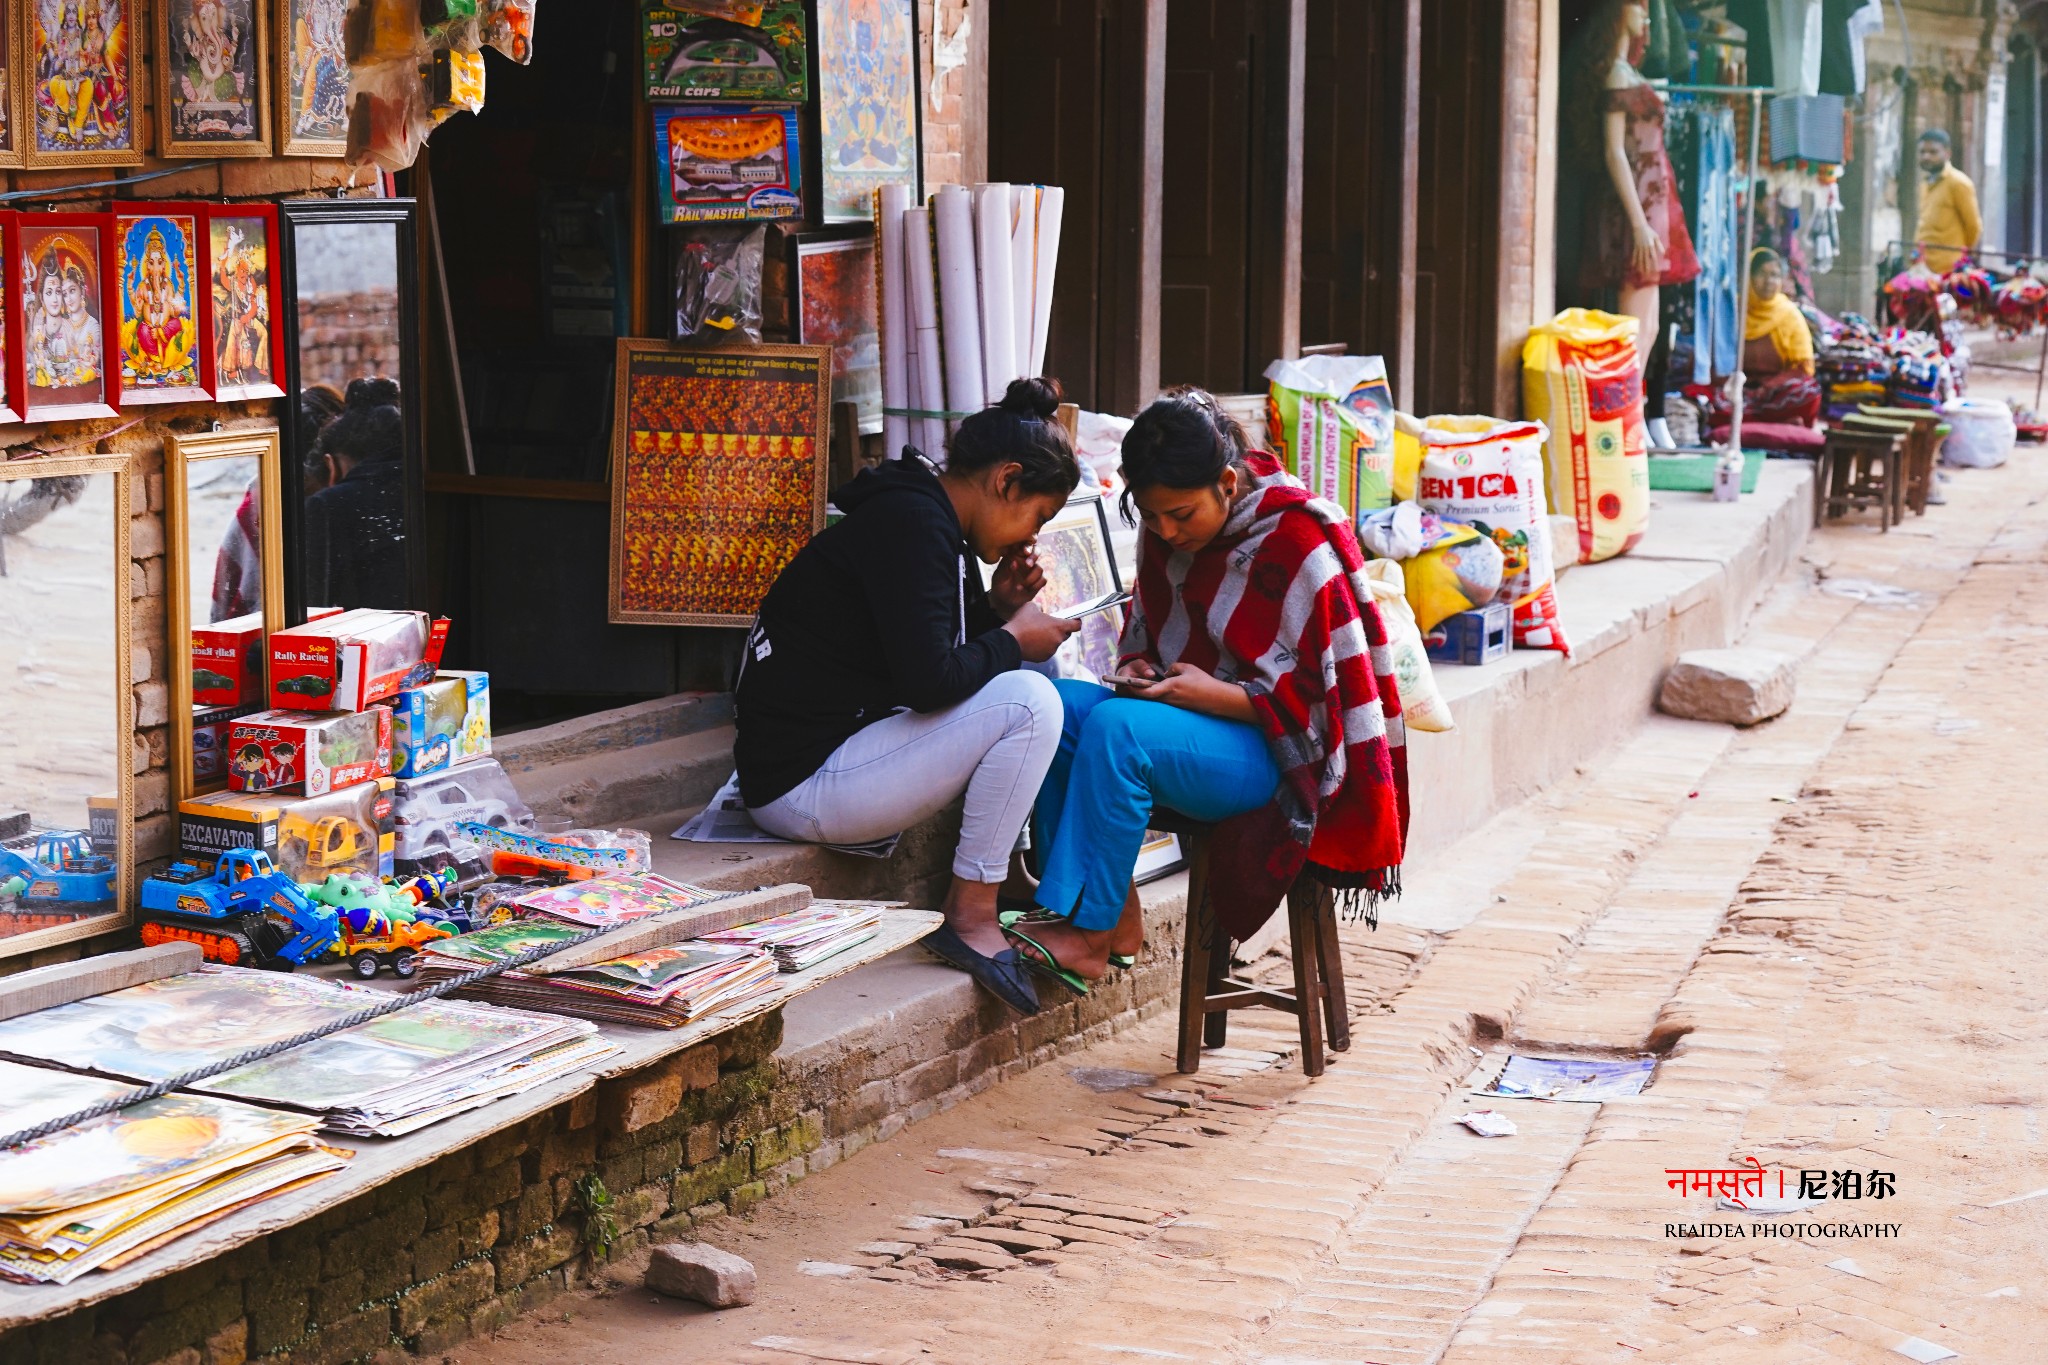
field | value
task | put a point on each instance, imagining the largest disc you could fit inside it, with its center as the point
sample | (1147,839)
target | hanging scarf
(1778,318)
(1279,604)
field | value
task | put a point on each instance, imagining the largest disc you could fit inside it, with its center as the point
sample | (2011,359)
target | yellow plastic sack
(1407,456)
(1422,706)
(1581,380)
(1458,573)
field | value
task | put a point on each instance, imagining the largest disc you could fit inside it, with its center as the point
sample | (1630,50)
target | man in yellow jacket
(1948,206)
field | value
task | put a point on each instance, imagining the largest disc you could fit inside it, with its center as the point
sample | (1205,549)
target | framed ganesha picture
(212,78)
(78,59)
(312,78)
(163,348)
(60,297)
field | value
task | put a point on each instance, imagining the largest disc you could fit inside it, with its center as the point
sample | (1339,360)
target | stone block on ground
(692,1270)
(1731,686)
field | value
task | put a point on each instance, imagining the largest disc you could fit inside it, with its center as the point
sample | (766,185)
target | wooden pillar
(1519,240)
(1275,266)
(1134,154)
(1389,323)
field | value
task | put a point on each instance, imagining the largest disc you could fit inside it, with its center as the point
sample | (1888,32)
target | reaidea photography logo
(1784,1203)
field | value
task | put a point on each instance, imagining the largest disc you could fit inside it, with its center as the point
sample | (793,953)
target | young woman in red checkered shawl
(1261,698)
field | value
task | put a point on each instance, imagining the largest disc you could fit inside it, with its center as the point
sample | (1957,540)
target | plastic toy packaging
(718,282)
(507,25)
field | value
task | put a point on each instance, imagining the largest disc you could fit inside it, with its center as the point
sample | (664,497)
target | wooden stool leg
(1330,957)
(1304,940)
(1194,966)
(1216,1028)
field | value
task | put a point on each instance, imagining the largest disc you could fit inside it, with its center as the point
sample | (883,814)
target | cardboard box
(352,660)
(697,56)
(441,723)
(310,837)
(227,662)
(429,808)
(308,754)
(474,739)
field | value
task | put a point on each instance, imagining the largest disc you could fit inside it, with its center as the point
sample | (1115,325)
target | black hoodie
(883,611)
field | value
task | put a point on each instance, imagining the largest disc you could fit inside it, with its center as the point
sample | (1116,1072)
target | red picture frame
(11,401)
(240,303)
(138,386)
(76,245)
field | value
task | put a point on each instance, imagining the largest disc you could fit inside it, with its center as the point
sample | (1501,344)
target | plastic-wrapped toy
(2021,303)
(1972,290)
(379,925)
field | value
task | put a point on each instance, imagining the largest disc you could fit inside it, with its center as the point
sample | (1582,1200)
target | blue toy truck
(244,913)
(63,871)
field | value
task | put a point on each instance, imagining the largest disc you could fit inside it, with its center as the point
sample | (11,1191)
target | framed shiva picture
(212,78)
(79,58)
(312,78)
(718,476)
(869,123)
(241,279)
(11,86)
(162,349)
(60,294)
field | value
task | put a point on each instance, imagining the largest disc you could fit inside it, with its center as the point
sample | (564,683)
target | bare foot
(1128,938)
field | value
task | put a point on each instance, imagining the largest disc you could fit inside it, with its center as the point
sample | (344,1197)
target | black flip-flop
(1004,976)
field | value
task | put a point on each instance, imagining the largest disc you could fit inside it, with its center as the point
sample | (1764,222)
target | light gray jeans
(996,746)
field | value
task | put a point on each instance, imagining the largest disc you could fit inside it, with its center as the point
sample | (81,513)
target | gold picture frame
(722,524)
(308,34)
(11,85)
(128,43)
(168,143)
(181,454)
(121,725)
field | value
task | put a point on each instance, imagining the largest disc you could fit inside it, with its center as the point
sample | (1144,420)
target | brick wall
(344,335)
(955,126)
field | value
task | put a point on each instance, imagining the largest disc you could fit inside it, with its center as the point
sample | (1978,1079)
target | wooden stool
(1923,447)
(1859,469)
(1208,992)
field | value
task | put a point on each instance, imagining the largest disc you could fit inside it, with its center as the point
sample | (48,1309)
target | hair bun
(1038,397)
(372,393)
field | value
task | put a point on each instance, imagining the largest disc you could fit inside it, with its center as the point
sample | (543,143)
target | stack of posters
(101,1193)
(661,988)
(609,901)
(392,1075)
(806,937)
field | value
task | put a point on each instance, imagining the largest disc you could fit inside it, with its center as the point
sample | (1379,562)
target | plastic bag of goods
(1422,706)
(1981,433)
(1330,419)
(1448,568)
(1489,474)
(1581,379)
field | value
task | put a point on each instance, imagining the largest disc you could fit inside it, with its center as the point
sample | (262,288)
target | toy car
(378,924)
(427,809)
(244,913)
(332,841)
(306,685)
(398,948)
(206,680)
(62,870)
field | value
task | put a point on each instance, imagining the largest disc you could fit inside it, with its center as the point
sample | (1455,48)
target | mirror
(66,740)
(221,506)
(352,474)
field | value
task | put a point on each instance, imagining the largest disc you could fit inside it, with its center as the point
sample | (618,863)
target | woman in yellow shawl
(1775,337)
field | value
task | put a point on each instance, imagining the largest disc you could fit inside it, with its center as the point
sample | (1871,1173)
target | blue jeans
(1119,757)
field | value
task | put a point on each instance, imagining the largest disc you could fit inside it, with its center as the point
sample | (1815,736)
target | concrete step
(627,727)
(626,785)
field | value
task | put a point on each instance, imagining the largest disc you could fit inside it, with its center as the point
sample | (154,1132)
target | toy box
(722,163)
(352,660)
(440,723)
(308,754)
(707,56)
(1478,636)
(227,662)
(427,810)
(310,837)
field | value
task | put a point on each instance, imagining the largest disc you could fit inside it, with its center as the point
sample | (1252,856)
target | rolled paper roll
(1023,269)
(891,202)
(920,274)
(998,300)
(959,306)
(1052,202)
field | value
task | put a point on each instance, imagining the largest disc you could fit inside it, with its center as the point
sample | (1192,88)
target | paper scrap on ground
(1876,594)
(1786,1204)
(1583,1080)
(1919,1348)
(1848,1266)
(1489,1124)
(725,821)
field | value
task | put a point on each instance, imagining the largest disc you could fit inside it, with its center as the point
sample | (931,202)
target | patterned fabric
(1610,241)
(1279,604)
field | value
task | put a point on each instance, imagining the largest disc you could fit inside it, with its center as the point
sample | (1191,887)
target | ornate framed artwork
(869,123)
(718,476)
(11,86)
(10,321)
(312,78)
(241,280)
(212,78)
(61,293)
(78,59)
(833,302)
(163,346)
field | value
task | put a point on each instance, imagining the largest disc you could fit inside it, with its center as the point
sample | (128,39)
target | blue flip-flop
(1004,976)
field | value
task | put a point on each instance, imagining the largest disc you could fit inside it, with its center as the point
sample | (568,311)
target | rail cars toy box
(352,660)
(310,837)
(227,662)
(440,723)
(687,55)
(308,755)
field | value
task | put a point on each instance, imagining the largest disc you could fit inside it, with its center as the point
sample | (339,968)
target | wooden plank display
(718,476)
(47,987)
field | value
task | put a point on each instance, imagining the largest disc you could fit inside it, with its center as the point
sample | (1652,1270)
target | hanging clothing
(1845,26)
(1610,236)
(1754,17)
(1705,132)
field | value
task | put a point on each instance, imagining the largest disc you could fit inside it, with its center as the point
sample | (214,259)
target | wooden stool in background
(1923,448)
(1208,992)
(1859,469)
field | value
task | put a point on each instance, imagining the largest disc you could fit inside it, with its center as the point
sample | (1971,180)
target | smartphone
(1125,680)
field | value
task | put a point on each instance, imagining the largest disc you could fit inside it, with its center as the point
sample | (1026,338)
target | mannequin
(1635,236)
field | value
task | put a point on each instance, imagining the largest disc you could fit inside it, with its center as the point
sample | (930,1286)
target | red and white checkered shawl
(1279,604)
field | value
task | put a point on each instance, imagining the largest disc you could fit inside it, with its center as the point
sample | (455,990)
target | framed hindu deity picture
(718,476)
(79,60)
(212,78)
(312,78)
(11,86)
(869,123)
(241,284)
(61,293)
(163,352)
(10,319)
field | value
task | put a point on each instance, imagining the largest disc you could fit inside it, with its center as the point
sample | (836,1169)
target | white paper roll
(959,307)
(891,202)
(919,277)
(998,300)
(1051,202)
(1023,269)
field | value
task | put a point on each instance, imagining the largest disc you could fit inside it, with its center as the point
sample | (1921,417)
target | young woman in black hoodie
(880,681)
